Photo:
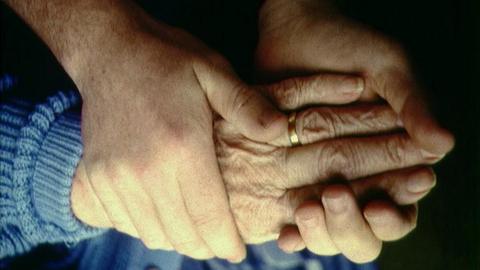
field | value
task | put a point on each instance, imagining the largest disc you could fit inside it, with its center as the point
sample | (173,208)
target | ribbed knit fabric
(40,147)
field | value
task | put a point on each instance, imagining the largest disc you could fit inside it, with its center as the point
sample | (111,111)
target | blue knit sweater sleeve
(40,146)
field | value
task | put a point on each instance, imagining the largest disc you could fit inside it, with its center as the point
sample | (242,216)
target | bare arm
(74,29)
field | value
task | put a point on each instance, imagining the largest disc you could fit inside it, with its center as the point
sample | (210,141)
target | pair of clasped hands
(182,154)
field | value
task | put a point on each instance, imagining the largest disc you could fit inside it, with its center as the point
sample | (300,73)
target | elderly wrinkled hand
(266,183)
(311,36)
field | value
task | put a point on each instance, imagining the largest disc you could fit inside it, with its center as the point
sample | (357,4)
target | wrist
(108,45)
(81,33)
(94,36)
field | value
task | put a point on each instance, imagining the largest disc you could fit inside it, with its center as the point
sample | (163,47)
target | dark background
(443,38)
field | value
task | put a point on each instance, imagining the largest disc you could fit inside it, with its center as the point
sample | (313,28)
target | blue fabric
(114,250)
(268,256)
(40,146)
(7,82)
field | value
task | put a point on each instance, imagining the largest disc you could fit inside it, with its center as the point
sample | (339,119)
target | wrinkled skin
(311,36)
(265,188)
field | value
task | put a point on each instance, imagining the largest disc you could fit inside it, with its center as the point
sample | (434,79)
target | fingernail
(235,260)
(417,184)
(335,204)
(374,216)
(360,85)
(430,156)
(293,246)
(309,221)
(356,87)
(400,122)
(300,245)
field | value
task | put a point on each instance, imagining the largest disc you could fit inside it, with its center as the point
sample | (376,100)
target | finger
(400,92)
(351,158)
(404,187)
(112,205)
(389,222)
(294,93)
(85,204)
(240,105)
(141,210)
(177,225)
(290,240)
(323,123)
(347,227)
(207,203)
(310,219)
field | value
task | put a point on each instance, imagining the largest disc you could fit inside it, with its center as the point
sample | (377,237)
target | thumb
(402,93)
(85,204)
(241,105)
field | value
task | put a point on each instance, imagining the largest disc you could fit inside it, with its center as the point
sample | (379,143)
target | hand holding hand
(266,182)
(149,158)
(311,36)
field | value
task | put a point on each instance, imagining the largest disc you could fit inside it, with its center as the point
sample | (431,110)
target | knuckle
(177,134)
(245,212)
(289,92)
(313,125)
(330,122)
(178,138)
(241,99)
(107,177)
(395,150)
(336,160)
(114,178)
(395,77)
(378,117)
(207,222)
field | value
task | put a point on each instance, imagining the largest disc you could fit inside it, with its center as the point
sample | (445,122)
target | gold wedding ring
(292,129)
